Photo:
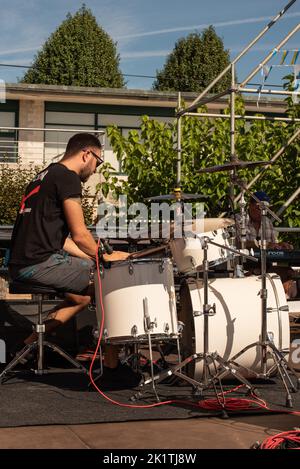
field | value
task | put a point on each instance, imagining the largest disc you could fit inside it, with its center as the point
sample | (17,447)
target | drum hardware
(206,240)
(221,367)
(149,325)
(146,252)
(266,345)
(281,308)
(233,165)
(177,195)
(188,253)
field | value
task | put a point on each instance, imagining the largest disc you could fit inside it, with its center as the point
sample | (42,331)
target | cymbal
(204,225)
(182,196)
(236,164)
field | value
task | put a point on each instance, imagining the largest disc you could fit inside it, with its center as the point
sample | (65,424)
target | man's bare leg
(65,311)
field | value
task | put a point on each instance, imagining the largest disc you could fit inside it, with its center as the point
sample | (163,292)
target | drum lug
(130,268)
(161,267)
(166,328)
(180,327)
(153,324)
(105,333)
(211,311)
(270,336)
(134,331)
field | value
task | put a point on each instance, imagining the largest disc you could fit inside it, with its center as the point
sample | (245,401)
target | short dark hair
(81,141)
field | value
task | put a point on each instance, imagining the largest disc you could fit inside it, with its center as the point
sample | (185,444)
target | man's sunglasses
(98,158)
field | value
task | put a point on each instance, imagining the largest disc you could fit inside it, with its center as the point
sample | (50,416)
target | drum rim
(142,260)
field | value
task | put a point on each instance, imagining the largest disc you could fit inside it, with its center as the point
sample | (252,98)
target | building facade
(36,121)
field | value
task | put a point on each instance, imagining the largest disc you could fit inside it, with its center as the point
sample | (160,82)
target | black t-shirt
(41,228)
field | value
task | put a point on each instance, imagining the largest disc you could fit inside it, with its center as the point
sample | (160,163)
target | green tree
(194,62)
(78,53)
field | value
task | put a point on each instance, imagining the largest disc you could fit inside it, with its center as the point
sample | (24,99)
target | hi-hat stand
(265,343)
(215,368)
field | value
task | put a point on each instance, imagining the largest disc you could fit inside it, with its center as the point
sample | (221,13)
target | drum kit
(223,325)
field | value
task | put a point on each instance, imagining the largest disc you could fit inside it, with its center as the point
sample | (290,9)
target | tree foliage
(194,62)
(78,53)
(149,160)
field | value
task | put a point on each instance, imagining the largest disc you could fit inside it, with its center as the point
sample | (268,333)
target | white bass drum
(237,322)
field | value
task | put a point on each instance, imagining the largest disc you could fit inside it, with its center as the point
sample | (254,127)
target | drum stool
(40,292)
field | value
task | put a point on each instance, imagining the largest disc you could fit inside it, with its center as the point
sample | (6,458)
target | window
(55,142)
(8,135)
(89,117)
(125,124)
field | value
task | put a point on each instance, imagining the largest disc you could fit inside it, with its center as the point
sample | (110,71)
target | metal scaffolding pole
(233,156)
(272,160)
(258,90)
(288,202)
(244,117)
(232,114)
(196,102)
(178,171)
(269,56)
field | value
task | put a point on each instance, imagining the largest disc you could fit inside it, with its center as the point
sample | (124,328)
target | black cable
(123,74)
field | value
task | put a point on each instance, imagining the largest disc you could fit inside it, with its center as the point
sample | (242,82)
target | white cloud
(18,50)
(24,61)
(259,19)
(142,54)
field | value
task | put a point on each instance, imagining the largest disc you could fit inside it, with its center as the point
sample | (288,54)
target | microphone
(107,247)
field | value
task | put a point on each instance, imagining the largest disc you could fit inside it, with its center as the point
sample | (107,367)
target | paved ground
(199,433)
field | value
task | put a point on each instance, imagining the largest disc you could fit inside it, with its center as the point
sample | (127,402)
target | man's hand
(116,256)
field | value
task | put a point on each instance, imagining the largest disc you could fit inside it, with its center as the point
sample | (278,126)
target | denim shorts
(61,271)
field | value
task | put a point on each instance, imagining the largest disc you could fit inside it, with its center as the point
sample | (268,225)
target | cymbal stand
(238,266)
(220,366)
(266,343)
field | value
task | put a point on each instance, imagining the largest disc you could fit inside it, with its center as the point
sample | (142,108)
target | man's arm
(74,250)
(79,232)
(81,235)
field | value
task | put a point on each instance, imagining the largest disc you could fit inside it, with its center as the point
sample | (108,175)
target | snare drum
(188,253)
(138,298)
(237,322)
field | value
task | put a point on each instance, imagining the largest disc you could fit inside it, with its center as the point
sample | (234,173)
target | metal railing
(31,145)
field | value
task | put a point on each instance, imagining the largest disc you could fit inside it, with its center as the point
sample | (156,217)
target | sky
(146,31)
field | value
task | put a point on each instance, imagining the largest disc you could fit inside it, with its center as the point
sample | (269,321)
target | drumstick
(146,252)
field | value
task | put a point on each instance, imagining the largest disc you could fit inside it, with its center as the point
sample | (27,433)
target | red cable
(282,440)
